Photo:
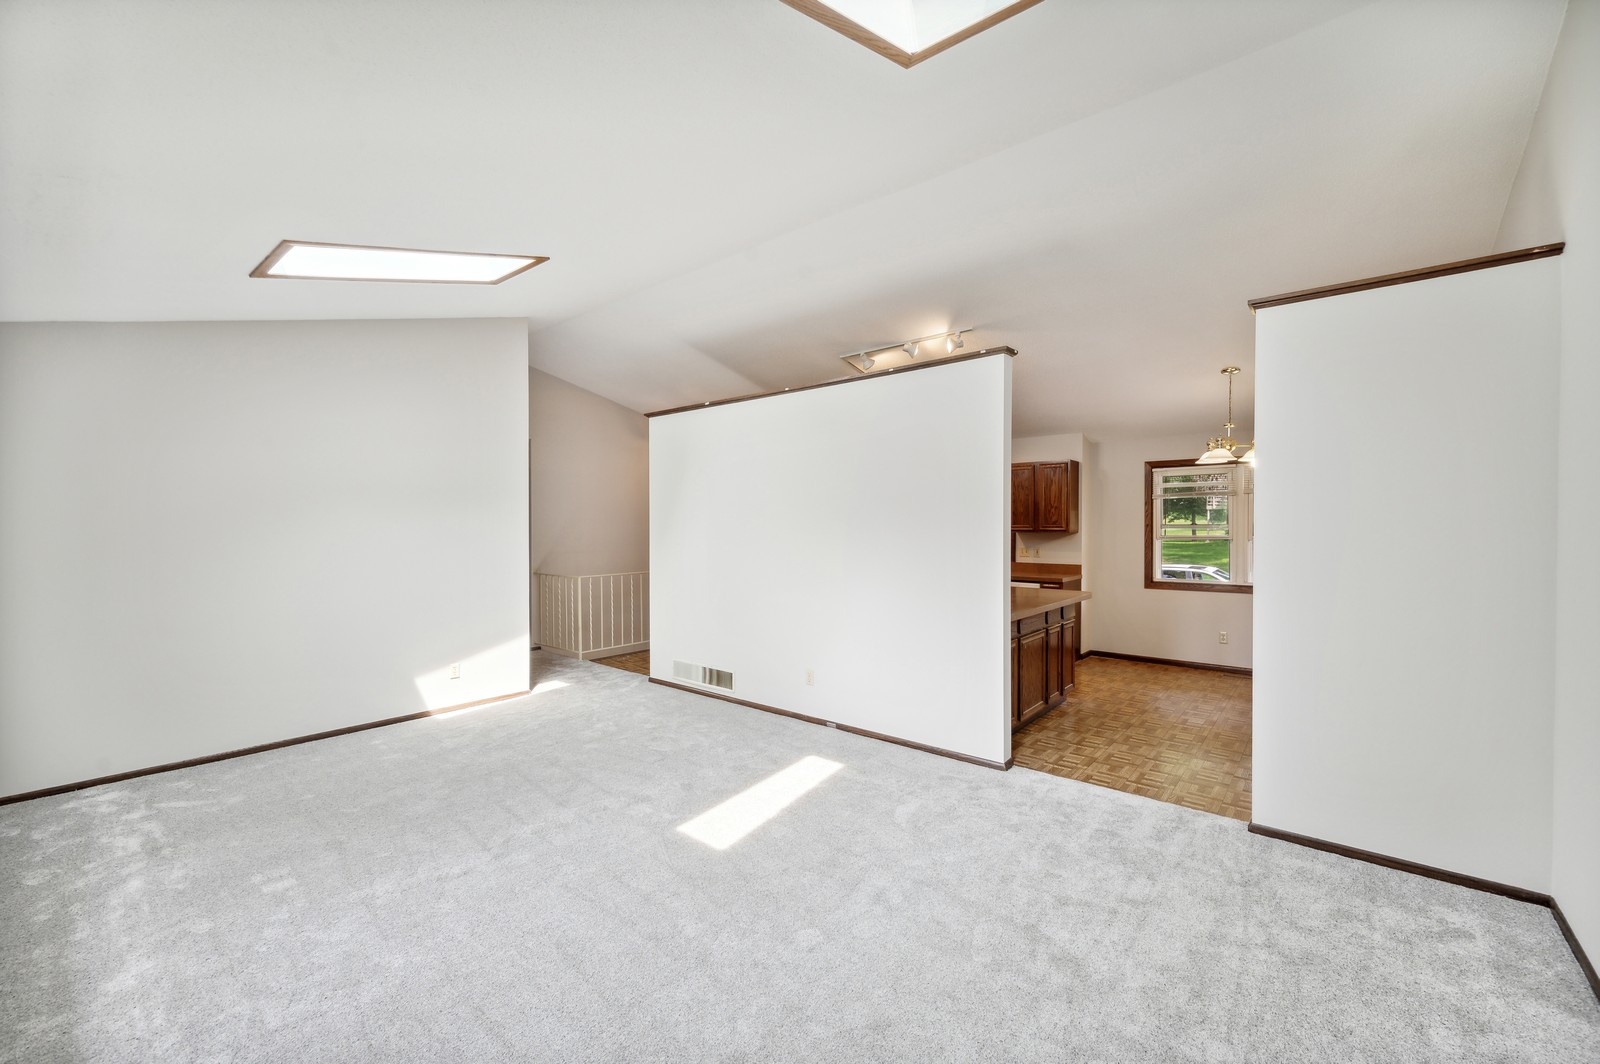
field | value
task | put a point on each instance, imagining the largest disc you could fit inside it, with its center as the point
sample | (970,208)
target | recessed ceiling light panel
(909,31)
(305,260)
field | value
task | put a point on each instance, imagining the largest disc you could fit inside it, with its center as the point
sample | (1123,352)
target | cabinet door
(1050,489)
(1030,674)
(1022,498)
(1069,665)
(1070,505)
(1054,663)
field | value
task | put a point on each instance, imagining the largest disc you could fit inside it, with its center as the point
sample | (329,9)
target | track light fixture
(892,356)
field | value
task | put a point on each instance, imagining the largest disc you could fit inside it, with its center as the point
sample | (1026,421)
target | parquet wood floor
(1175,734)
(1178,735)
(638,661)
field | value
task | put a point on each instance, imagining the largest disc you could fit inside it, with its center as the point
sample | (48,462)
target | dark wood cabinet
(1049,575)
(1042,667)
(1054,658)
(1044,497)
(1022,498)
(1033,693)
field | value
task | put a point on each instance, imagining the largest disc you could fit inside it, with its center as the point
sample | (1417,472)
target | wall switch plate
(455,670)
(1222,637)
(811,678)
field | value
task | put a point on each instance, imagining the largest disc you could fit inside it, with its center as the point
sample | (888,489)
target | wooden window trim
(1150,582)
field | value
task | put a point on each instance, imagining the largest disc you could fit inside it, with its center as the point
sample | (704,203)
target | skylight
(909,31)
(308,261)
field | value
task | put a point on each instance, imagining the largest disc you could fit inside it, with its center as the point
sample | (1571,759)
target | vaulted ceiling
(732,195)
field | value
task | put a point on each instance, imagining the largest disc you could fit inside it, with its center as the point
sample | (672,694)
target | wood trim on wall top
(931,364)
(1427,273)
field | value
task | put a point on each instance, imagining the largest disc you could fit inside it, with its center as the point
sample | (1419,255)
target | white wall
(1403,680)
(1554,198)
(1124,616)
(216,535)
(589,491)
(1052,548)
(860,531)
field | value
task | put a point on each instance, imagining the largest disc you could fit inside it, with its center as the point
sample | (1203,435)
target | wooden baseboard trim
(1576,947)
(614,652)
(968,758)
(1237,670)
(1488,886)
(65,788)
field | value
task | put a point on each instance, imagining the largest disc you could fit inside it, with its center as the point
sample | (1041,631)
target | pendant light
(1220,449)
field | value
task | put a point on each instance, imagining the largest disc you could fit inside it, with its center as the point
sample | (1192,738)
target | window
(1199,526)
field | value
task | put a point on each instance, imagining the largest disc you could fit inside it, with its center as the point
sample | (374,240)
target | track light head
(891,357)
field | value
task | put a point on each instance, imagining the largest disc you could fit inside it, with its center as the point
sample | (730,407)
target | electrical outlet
(1222,637)
(811,678)
(455,670)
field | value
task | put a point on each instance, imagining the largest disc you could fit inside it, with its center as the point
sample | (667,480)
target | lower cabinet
(1041,662)
(1033,670)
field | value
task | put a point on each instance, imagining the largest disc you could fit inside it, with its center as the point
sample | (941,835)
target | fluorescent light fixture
(725,824)
(305,260)
(909,31)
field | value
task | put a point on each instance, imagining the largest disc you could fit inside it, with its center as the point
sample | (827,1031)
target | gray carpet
(508,884)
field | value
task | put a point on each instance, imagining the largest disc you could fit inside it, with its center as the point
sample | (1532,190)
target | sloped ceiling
(732,195)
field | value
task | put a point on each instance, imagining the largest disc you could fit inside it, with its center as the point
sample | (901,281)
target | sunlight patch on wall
(500,670)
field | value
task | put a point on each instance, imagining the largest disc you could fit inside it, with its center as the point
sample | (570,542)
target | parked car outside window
(1194,572)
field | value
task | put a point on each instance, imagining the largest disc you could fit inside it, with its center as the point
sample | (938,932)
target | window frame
(1150,581)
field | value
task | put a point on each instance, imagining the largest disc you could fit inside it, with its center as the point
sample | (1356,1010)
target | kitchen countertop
(1047,571)
(1028,601)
